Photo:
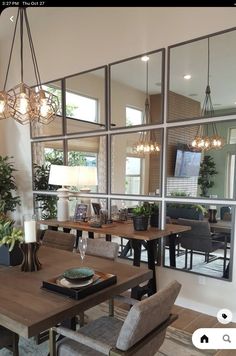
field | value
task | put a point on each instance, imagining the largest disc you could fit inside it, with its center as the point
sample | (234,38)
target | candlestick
(30,259)
(30,228)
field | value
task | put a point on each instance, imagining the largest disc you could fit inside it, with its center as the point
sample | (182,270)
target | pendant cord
(21,45)
(12,45)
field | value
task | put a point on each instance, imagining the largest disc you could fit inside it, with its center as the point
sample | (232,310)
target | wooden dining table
(125,229)
(27,309)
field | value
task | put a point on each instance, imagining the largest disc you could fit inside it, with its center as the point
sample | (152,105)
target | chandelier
(23,103)
(203,141)
(147,143)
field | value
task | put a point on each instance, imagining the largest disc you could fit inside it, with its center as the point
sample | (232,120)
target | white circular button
(224,316)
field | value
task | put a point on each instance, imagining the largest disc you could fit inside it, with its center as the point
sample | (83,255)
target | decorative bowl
(77,274)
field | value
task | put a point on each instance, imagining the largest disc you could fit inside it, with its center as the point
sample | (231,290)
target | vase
(140,223)
(11,258)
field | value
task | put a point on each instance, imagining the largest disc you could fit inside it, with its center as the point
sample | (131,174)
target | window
(81,107)
(133,175)
(231,173)
(232,136)
(133,116)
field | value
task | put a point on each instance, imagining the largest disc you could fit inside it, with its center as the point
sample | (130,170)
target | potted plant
(10,237)
(141,216)
(154,214)
(206,175)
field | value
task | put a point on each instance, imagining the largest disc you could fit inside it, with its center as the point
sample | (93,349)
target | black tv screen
(187,163)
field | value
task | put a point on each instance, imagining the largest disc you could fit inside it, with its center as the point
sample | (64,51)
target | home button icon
(204,339)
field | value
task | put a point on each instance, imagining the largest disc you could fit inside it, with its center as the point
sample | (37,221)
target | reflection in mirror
(206,248)
(54,127)
(208,173)
(131,172)
(74,201)
(123,211)
(44,154)
(188,76)
(85,101)
(136,88)
(90,154)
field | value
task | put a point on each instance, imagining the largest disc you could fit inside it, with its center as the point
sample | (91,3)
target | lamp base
(63,204)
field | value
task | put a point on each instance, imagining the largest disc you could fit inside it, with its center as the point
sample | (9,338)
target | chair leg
(111,307)
(225,255)
(186,258)
(81,319)
(191,259)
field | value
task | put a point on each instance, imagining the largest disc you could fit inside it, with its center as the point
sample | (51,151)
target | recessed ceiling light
(235,102)
(144,58)
(187,76)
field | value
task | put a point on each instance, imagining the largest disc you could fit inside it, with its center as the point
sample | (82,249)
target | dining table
(125,229)
(28,309)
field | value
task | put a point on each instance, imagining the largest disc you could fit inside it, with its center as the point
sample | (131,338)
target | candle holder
(30,259)
(212,215)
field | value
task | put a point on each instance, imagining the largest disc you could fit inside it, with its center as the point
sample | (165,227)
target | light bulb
(44,108)
(23,103)
(2,106)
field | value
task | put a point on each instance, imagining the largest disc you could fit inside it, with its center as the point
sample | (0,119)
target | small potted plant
(141,216)
(10,237)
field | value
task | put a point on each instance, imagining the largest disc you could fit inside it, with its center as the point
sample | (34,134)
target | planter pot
(13,258)
(140,223)
(185,213)
(154,220)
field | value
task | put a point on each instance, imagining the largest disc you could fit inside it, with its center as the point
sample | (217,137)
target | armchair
(200,238)
(142,332)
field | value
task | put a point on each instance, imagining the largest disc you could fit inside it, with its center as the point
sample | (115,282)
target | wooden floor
(190,320)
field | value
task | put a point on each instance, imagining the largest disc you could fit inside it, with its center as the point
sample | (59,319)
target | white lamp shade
(87,176)
(63,175)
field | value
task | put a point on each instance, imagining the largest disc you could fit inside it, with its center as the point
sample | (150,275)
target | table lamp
(64,176)
(87,177)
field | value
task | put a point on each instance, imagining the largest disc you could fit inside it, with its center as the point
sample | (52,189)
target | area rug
(177,342)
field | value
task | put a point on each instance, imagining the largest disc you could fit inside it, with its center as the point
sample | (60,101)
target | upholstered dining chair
(9,340)
(104,249)
(200,238)
(58,239)
(142,332)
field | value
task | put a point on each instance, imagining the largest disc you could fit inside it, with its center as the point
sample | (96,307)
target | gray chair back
(198,238)
(145,316)
(101,248)
(59,239)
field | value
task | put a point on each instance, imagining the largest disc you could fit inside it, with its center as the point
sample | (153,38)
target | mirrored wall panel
(91,154)
(197,168)
(136,87)
(206,248)
(85,101)
(54,127)
(195,65)
(134,172)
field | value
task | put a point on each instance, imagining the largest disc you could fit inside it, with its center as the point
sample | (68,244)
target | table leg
(135,293)
(151,250)
(108,237)
(91,235)
(52,342)
(66,229)
(126,249)
(172,240)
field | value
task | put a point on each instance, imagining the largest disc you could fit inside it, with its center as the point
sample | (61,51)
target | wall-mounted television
(187,163)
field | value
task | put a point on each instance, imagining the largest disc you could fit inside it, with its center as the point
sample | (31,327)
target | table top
(124,229)
(27,309)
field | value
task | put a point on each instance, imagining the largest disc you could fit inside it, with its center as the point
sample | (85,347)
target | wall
(95,36)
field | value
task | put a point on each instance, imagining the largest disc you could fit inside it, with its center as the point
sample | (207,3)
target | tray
(101,280)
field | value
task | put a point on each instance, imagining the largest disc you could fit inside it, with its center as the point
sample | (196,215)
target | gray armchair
(142,332)
(199,238)
(9,340)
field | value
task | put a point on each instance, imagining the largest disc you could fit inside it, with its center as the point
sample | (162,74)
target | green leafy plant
(9,234)
(206,175)
(8,200)
(142,210)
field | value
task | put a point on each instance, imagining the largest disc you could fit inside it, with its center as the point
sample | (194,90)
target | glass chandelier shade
(202,141)
(147,143)
(23,103)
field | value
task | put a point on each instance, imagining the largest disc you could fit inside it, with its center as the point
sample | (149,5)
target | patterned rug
(177,342)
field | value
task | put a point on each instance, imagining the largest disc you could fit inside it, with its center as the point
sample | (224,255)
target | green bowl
(78,274)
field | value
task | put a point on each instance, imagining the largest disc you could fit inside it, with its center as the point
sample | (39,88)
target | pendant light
(23,103)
